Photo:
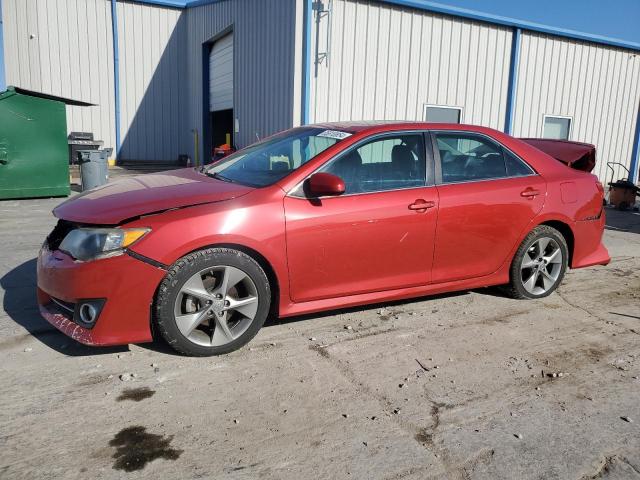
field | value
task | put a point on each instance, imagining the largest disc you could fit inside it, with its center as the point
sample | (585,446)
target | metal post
(513,81)
(116,74)
(635,153)
(196,150)
(306,60)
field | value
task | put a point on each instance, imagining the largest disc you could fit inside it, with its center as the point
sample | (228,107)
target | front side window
(266,162)
(386,163)
(468,157)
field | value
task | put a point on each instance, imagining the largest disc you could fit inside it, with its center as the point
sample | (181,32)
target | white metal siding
(152,69)
(221,74)
(70,55)
(263,65)
(385,63)
(597,86)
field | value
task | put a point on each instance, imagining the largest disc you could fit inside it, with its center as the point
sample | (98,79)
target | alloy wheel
(541,266)
(216,306)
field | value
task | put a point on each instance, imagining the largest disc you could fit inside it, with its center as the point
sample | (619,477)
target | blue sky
(618,19)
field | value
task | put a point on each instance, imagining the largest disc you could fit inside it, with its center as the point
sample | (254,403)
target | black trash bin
(94,167)
(81,141)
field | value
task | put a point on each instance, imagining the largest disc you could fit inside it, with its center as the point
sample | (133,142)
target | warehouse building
(176,77)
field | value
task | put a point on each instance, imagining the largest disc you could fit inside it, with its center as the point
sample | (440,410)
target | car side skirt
(291,309)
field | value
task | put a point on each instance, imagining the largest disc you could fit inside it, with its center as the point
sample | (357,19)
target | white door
(221,74)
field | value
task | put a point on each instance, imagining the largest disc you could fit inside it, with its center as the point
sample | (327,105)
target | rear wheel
(212,302)
(539,264)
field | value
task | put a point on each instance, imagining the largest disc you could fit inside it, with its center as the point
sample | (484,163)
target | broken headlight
(91,243)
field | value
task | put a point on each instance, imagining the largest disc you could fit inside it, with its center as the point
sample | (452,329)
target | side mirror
(324,184)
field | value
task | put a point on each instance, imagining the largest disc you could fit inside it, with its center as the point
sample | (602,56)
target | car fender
(252,225)
(540,219)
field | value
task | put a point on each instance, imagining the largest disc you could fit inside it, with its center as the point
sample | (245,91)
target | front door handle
(421,204)
(529,193)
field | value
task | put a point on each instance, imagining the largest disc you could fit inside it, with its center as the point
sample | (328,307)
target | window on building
(440,114)
(467,157)
(556,128)
(387,163)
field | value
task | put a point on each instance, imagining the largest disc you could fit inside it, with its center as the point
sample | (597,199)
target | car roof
(391,125)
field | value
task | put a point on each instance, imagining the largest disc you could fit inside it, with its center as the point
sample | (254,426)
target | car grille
(60,231)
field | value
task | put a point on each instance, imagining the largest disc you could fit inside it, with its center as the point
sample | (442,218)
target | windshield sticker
(334,134)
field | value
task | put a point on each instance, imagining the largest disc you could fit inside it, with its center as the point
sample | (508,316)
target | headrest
(401,154)
(352,159)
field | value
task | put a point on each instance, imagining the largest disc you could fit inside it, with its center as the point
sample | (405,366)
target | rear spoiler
(578,155)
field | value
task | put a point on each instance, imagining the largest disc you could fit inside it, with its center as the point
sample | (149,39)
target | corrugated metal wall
(63,48)
(387,62)
(264,59)
(382,62)
(597,86)
(152,42)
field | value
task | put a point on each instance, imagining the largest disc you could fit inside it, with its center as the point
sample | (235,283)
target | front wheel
(212,302)
(539,264)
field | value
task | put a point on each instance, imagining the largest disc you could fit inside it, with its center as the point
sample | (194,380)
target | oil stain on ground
(135,448)
(424,437)
(136,394)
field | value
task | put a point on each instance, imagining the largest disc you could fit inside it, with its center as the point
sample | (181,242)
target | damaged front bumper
(122,288)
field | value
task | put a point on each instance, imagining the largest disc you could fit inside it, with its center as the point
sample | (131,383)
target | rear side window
(515,166)
(467,157)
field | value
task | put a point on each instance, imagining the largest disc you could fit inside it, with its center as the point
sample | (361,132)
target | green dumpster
(34,158)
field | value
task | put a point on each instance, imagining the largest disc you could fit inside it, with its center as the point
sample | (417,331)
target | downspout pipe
(306,60)
(635,153)
(513,81)
(116,75)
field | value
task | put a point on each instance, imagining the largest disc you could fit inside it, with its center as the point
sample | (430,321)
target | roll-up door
(221,74)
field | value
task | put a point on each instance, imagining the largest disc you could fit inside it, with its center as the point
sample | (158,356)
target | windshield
(268,161)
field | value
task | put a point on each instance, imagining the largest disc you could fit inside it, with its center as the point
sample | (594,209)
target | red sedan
(316,218)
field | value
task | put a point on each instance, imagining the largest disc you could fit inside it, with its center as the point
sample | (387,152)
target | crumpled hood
(144,194)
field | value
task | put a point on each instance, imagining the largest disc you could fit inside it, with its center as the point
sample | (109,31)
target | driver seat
(403,163)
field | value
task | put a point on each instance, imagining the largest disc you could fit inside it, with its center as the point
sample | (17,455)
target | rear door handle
(529,193)
(421,204)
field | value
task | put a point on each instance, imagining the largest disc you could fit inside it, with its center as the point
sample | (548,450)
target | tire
(212,302)
(530,276)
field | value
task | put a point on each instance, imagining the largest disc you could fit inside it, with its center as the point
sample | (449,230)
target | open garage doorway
(221,127)
(221,117)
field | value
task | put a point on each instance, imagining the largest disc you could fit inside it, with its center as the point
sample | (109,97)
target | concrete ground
(455,386)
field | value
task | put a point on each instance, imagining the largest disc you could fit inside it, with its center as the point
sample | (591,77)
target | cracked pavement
(469,385)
